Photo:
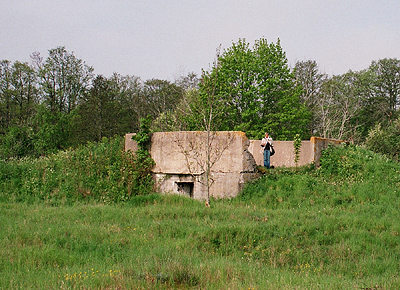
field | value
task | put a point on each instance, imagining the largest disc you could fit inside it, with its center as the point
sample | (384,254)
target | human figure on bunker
(266,143)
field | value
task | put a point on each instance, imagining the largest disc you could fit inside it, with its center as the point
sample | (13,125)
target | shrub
(385,141)
(97,171)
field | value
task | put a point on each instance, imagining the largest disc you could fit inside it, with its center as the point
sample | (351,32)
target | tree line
(58,102)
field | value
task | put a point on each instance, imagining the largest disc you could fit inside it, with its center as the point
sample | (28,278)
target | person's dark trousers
(267,155)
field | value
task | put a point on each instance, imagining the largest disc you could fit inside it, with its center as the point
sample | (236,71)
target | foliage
(348,106)
(53,131)
(386,87)
(143,162)
(100,113)
(57,103)
(255,88)
(342,103)
(297,146)
(17,142)
(101,172)
(161,96)
(64,79)
(47,133)
(18,95)
(335,227)
(385,141)
(309,77)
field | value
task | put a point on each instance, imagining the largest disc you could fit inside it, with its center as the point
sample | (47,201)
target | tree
(18,100)
(258,91)
(160,96)
(307,75)
(99,111)
(130,96)
(383,103)
(53,131)
(188,82)
(25,92)
(64,79)
(340,104)
(185,116)
(203,110)
(18,93)
(5,95)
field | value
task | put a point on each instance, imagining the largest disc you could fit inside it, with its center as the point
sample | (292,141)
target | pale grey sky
(167,38)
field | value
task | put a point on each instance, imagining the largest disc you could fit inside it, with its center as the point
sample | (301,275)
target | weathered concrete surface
(181,162)
(284,153)
(186,152)
(310,152)
(130,145)
(318,144)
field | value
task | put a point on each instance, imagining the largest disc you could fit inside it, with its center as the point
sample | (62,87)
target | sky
(166,39)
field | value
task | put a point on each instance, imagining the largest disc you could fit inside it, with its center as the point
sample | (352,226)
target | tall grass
(332,228)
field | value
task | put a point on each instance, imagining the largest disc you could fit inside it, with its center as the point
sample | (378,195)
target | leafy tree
(387,85)
(18,98)
(257,90)
(18,93)
(53,130)
(99,111)
(64,79)
(18,141)
(185,115)
(382,104)
(25,92)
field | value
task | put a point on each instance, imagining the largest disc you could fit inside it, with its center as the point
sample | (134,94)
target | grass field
(332,228)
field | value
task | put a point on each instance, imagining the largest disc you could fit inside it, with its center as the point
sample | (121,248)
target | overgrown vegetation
(296,148)
(335,227)
(143,163)
(100,171)
(385,140)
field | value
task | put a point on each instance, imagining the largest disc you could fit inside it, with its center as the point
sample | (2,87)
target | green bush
(385,141)
(97,171)
(17,142)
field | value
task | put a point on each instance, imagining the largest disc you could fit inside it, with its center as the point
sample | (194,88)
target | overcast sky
(168,38)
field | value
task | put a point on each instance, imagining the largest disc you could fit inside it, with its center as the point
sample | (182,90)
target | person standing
(266,143)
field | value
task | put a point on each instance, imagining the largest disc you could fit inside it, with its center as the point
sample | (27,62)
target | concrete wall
(180,159)
(284,153)
(310,152)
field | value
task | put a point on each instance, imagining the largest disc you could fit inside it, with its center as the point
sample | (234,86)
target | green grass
(336,227)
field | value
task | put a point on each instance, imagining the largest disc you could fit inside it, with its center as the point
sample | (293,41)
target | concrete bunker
(181,157)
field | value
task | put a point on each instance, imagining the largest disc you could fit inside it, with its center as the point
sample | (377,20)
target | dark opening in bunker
(185,188)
